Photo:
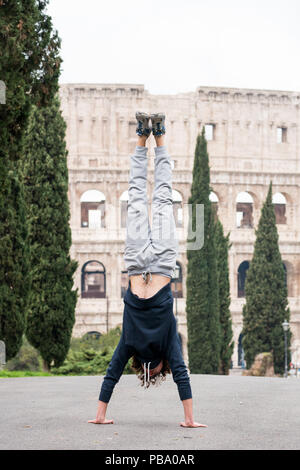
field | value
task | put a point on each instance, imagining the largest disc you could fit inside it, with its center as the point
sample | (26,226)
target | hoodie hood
(148,325)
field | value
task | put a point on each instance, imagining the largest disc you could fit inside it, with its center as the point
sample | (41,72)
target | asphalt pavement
(242,413)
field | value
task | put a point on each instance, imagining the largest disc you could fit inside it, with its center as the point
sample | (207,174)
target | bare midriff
(147,289)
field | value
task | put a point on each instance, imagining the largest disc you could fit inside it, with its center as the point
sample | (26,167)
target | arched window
(177,208)
(244,209)
(92,204)
(279,202)
(176,281)
(214,202)
(124,283)
(242,272)
(124,204)
(90,335)
(93,280)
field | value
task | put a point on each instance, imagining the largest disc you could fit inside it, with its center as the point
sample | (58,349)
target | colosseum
(253,137)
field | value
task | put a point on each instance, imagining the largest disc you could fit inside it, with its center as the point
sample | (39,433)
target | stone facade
(255,139)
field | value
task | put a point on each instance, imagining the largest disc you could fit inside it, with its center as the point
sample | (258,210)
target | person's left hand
(101,421)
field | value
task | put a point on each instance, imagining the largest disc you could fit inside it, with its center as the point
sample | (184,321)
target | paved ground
(241,412)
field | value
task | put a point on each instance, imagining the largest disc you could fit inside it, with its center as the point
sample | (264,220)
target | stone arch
(92,334)
(92,195)
(214,199)
(244,210)
(93,280)
(287,196)
(92,205)
(279,202)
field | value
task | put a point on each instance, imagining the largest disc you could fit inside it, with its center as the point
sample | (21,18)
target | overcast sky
(174,46)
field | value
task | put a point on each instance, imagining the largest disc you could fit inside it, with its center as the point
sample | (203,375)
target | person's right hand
(100,414)
(193,425)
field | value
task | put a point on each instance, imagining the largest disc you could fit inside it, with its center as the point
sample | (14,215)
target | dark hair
(156,379)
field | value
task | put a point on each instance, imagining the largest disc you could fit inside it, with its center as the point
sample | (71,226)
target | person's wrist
(189,419)
(100,417)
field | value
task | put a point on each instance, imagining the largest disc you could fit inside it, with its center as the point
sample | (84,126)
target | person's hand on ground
(100,415)
(193,425)
(101,421)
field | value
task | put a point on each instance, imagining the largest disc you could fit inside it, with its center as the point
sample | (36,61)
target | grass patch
(23,373)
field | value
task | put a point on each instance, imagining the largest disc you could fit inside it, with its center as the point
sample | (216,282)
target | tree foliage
(29,68)
(266,294)
(52,300)
(222,247)
(202,304)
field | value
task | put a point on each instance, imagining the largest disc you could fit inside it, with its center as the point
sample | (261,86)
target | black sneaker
(158,124)
(143,124)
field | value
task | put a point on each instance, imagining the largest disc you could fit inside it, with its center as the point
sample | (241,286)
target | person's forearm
(188,410)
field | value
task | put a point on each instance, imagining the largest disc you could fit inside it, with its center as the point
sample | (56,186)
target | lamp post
(285,325)
(175,278)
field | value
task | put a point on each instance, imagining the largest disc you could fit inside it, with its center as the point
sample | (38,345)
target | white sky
(174,46)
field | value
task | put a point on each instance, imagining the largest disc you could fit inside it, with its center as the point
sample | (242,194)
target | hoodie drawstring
(144,274)
(146,373)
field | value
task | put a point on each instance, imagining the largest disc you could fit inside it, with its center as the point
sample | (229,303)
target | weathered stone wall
(244,156)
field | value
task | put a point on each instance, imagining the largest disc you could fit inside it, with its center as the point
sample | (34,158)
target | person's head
(157,374)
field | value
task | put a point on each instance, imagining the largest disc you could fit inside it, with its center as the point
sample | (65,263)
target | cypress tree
(202,303)
(51,308)
(222,247)
(29,68)
(266,294)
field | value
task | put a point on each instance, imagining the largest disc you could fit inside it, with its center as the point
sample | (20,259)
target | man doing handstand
(149,332)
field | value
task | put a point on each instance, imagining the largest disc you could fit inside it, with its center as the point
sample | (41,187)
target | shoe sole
(140,115)
(157,116)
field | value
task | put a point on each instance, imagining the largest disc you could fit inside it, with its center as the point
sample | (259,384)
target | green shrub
(87,356)
(91,356)
(28,358)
